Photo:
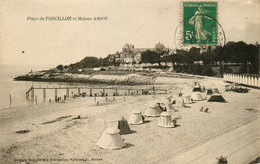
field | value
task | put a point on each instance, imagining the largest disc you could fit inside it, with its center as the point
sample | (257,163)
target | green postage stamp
(200,24)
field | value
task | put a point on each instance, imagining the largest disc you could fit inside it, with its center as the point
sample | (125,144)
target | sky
(142,23)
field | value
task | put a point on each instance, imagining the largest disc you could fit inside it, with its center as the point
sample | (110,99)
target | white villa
(132,55)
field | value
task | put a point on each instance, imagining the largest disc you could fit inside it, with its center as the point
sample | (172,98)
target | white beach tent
(135,118)
(153,110)
(187,99)
(119,122)
(196,96)
(111,139)
(215,90)
(169,106)
(180,102)
(166,121)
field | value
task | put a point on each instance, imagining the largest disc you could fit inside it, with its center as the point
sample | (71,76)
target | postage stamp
(200,23)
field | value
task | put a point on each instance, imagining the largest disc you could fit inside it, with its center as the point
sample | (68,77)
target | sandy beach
(54,133)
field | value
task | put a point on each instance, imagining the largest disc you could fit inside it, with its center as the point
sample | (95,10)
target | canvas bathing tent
(166,121)
(136,118)
(111,139)
(169,106)
(123,126)
(187,99)
(118,122)
(215,90)
(154,110)
(209,92)
(196,87)
(180,102)
(197,96)
(216,98)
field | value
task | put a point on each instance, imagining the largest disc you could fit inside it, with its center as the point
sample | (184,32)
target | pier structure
(127,90)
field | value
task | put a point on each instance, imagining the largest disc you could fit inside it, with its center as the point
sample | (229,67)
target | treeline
(232,52)
(88,62)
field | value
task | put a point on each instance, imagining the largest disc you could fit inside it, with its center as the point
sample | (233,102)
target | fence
(250,80)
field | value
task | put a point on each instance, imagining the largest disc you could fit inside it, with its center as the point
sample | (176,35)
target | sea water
(17,89)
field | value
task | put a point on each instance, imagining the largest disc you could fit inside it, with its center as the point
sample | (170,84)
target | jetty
(127,90)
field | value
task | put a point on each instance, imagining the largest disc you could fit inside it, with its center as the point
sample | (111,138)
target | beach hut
(166,121)
(209,92)
(180,102)
(187,99)
(154,110)
(216,98)
(110,139)
(136,118)
(196,89)
(123,126)
(169,106)
(215,90)
(196,96)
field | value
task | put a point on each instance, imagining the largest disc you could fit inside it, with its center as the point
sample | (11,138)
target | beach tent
(123,126)
(216,98)
(196,96)
(209,92)
(180,102)
(136,118)
(166,121)
(187,99)
(196,89)
(154,110)
(215,90)
(111,139)
(169,106)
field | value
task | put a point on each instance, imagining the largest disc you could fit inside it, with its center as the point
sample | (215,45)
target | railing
(249,80)
(78,88)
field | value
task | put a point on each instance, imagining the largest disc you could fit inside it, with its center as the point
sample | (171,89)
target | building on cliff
(132,55)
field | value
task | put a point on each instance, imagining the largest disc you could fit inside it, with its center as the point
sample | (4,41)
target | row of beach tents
(111,137)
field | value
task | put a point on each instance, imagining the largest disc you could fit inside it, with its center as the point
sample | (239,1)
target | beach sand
(55,134)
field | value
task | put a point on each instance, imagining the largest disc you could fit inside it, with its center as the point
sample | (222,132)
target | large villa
(131,55)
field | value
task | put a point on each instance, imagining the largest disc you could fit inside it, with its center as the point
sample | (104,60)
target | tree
(60,67)
(150,57)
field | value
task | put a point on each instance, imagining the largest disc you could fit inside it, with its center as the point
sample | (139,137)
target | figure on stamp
(197,20)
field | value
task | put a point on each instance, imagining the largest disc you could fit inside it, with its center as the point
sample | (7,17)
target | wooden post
(56,97)
(90,92)
(36,100)
(128,92)
(56,92)
(67,93)
(32,93)
(44,93)
(78,91)
(116,91)
(10,97)
(104,90)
